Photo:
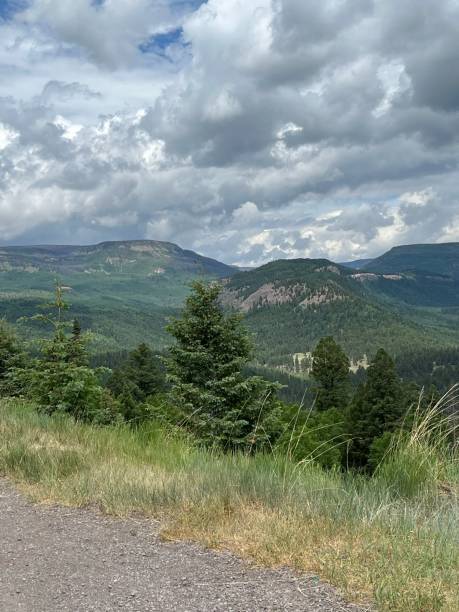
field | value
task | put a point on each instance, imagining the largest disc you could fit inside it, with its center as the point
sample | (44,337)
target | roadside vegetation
(360,487)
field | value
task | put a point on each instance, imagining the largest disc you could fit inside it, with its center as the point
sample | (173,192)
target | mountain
(290,304)
(424,259)
(358,264)
(423,275)
(122,291)
(405,300)
(133,257)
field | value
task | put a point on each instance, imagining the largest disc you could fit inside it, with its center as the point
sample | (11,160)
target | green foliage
(317,437)
(123,291)
(330,370)
(143,370)
(76,348)
(434,367)
(376,408)
(59,379)
(295,389)
(136,380)
(11,357)
(59,386)
(381,448)
(217,403)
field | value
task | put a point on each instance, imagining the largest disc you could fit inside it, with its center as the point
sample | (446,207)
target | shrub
(314,436)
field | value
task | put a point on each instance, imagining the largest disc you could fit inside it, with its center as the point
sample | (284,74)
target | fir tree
(330,371)
(76,345)
(11,357)
(58,380)
(377,407)
(204,366)
(141,376)
(76,329)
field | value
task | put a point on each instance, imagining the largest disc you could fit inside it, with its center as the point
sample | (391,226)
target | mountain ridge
(69,257)
(425,258)
(290,304)
(126,290)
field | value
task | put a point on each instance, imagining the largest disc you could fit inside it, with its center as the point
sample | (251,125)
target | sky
(247,130)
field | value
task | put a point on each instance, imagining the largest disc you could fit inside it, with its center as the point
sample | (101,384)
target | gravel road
(56,559)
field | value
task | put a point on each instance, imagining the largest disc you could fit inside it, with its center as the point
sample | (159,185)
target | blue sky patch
(159,43)
(9,7)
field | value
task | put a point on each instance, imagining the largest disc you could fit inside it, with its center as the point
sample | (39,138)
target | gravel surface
(54,559)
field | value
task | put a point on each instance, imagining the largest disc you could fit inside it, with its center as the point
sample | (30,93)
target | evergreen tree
(145,370)
(77,353)
(205,366)
(10,357)
(76,330)
(377,408)
(58,380)
(131,403)
(141,376)
(330,371)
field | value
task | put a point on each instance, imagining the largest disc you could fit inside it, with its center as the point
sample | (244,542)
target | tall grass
(390,539)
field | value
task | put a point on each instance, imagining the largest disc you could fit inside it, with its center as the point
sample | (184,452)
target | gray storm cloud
(285,128)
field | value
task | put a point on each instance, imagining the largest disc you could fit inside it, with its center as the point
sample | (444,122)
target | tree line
(205,384)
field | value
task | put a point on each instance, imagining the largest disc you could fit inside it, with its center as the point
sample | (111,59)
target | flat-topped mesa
(433,259)
(133,257)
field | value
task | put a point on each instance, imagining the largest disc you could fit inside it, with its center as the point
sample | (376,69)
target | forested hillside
(406,301)
(122,291)
(437,259)
(289,305)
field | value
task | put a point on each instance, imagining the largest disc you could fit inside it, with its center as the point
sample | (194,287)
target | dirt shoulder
(58,559)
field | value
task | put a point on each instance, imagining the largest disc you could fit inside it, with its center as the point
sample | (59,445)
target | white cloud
(7,136)
(275,129)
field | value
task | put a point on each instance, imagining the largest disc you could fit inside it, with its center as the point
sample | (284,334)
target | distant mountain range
(441,259)
(291,304)
(358,264)
(124,291)
(428,259)
(133,257)
(425,274)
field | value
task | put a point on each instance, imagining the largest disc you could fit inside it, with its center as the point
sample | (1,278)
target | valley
(125,292)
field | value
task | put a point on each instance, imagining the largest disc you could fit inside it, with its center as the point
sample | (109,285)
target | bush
(314,436)
(381,448)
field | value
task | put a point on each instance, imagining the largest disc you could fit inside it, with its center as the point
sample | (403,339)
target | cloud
(246,131)
(66,91)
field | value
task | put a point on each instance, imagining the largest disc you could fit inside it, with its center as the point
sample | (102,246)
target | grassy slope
(390,539)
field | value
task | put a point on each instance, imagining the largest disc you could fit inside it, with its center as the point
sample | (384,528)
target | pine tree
(11,357)
(377,407)
(142,373)
(76,348)
(205,371)
(76,330)
(58,380)
(330,370)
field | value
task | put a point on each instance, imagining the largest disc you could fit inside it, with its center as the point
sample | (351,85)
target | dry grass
(391,539)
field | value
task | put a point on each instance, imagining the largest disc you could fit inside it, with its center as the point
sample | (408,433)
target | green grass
(391,539)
